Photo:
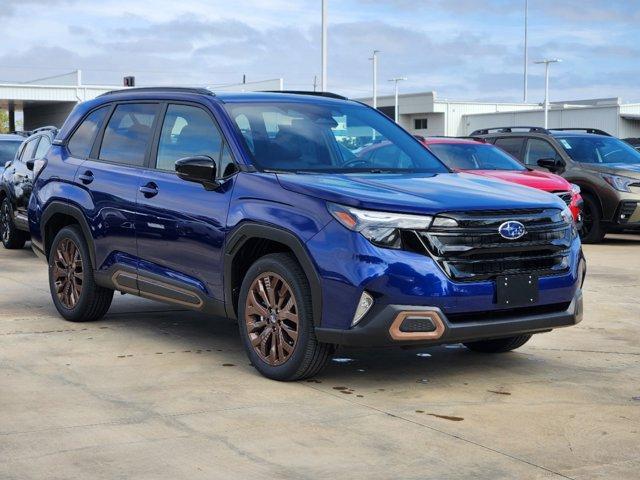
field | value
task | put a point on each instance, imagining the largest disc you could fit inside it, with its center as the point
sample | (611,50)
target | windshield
(307,137)
(474,156)
(8,149)
(601,150)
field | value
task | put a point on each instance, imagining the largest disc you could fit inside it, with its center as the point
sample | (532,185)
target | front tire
(592,230)
(75,293)
(276,321)
(12,237)
(499,345)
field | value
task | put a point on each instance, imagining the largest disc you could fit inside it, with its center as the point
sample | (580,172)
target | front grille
(565,197)
(474,250)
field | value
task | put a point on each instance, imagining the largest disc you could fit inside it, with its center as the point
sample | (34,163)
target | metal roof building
(426,114)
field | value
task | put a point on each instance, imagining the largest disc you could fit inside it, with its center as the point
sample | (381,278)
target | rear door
(180,224)
(111,177)
(512,145)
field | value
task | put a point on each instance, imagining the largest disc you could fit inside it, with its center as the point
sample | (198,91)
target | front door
(180,225)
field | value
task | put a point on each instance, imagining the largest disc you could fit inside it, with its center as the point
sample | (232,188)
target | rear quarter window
(81,141)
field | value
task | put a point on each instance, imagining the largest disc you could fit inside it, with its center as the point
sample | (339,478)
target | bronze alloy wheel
(5,218)
(271,316)
(68,273)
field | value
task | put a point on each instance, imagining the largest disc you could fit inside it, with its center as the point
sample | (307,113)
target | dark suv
(606,169)
(16,183)
(260,207)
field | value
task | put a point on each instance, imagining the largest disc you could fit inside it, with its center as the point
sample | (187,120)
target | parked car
(246,206)
(634,142)
(16,184)
(606,169)
(481,158)
(9,143)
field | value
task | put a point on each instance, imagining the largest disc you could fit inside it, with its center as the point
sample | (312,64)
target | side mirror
(201,169)
(551,164)
(30,164)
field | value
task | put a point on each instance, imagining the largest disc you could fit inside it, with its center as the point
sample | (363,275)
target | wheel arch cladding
(58,215)
(250,241)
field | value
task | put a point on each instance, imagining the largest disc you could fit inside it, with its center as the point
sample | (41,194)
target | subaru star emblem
(512,230)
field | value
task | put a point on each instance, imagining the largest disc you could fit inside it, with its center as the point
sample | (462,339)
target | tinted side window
(128,133)
(43,146)
(537,150)
(187,132)
(29,149)
(81,141)
(511,145)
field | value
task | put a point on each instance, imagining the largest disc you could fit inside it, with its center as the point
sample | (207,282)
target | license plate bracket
(517,290)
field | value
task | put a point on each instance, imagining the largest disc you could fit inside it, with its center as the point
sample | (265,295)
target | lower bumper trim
(378,331)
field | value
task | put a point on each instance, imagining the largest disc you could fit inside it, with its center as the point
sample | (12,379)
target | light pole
(323,84)
(397,80)
(374,58)
(546,62)
(526,50)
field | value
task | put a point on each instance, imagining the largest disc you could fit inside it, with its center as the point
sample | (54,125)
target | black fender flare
(57,207)
(250,230)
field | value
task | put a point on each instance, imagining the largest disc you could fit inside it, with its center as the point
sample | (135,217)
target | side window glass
(245,128)
(227,165)
(29,149)
(511,145)
(81,141)
(537,150)
(187,131)
(128,134)
(43,146)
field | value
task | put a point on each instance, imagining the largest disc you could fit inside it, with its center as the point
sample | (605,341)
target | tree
(4,121)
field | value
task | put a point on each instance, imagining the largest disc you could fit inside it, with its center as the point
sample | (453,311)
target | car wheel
(591,230)
(276,321)
(12,237)
(75,293)
(499,345)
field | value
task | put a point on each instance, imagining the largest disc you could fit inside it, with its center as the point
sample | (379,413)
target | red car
(479,158)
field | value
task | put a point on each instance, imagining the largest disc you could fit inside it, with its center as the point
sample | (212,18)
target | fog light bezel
(361,310)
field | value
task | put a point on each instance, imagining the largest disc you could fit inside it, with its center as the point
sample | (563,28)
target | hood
(623,169)
(418,193)
(546,181)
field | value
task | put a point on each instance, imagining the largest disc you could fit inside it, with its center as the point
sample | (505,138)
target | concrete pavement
(155,393)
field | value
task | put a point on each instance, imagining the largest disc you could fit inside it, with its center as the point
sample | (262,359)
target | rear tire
(276,320)
(74,291)
(499,345)
(12,237)
(592,230)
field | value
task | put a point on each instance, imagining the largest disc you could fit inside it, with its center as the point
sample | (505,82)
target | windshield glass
(474,156)
(596,149)
(307,137)
(8,149)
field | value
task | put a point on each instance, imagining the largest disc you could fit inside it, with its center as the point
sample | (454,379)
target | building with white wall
(426,114)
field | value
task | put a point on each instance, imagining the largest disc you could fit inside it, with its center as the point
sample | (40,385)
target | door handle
(86,177)
(149,190)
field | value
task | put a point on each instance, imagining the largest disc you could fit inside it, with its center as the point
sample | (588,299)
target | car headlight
(380,228)
(575,189)
(621,184)
(567,216)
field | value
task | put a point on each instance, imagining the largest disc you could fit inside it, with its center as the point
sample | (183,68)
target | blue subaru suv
(270,209)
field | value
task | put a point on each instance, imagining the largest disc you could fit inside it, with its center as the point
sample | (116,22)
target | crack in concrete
(451,435)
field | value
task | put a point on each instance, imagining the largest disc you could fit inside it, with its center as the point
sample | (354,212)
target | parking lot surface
(152,392)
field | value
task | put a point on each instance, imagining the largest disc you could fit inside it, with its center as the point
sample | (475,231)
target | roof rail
(594,131)
(485,131)
(44,129)
(201,91)
(308,92)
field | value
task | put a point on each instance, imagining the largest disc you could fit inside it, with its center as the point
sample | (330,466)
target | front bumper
(381,329)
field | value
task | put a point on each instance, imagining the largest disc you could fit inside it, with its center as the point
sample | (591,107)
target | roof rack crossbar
(594,131)
(527,129)
(308,92)
(201,91)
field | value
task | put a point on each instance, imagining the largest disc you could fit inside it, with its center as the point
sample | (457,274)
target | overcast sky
(463,49)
